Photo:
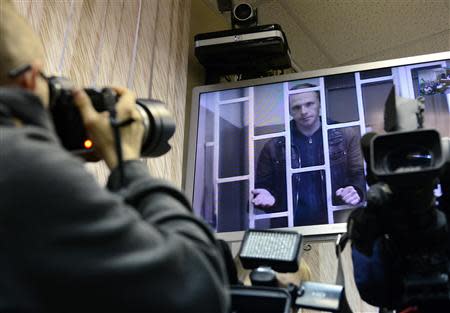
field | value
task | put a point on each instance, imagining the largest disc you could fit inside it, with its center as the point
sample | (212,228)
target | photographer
(68,245)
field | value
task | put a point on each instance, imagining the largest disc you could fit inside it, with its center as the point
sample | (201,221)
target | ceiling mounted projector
(255,49)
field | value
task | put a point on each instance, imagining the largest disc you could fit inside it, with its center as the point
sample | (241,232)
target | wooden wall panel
(177,85)
(142,72)
(33,10)
(81,56)
(175,19)
(55,20)
(160,67)
(182,87)
(123,50)
(162,50)
(109,42)
(73,31)
(23,7)
(141,44)
(171,65)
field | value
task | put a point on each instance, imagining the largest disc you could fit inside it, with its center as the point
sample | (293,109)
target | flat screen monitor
(284,151)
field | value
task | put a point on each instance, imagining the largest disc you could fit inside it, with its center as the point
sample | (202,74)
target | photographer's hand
(100,131)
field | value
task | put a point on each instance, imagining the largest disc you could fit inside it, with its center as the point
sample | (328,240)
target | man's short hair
(19,45)
(304,86)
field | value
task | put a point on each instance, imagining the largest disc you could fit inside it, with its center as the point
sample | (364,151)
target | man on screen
(308,188)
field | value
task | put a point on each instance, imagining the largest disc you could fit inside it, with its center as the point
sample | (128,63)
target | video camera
(159,125)
(404,167)
(266,252)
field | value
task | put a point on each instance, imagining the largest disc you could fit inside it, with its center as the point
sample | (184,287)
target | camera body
(159,125)
(408,167)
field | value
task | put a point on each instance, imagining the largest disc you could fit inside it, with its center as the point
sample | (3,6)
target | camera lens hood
(161,127)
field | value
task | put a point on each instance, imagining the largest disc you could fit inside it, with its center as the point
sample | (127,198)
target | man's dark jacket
(68,245)
(345,163)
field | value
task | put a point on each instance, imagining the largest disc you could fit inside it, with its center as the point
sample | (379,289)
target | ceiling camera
(244,15)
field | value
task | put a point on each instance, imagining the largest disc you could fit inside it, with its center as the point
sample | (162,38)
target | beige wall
(141,44)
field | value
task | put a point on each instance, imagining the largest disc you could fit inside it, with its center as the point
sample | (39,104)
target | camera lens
(408,159)
(159,125)
(243,12)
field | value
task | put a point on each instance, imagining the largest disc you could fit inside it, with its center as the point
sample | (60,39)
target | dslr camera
(159,125)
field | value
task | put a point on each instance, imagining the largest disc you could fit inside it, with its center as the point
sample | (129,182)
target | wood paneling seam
(170,48)
(117,42)
(150,79)
(133,54)
(99,49)
(66,36)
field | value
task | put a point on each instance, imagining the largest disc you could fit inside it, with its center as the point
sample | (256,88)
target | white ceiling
(329,33)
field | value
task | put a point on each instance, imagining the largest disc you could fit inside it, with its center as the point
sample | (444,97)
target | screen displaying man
(69,245)
(307,149)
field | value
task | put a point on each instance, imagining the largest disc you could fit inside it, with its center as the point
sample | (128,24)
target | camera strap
(340,278)
(116,125)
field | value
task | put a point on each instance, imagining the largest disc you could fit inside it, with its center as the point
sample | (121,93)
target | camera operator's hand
(349,195)
(263,198)
(100,131)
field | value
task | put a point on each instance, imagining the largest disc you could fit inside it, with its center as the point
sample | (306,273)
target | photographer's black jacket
(68,245)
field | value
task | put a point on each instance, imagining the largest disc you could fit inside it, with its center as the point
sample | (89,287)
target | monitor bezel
(323,230)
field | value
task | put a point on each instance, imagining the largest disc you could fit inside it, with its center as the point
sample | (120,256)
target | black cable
(118,142)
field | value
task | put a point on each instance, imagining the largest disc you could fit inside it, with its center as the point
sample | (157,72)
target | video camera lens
(159,125)
(408,158)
